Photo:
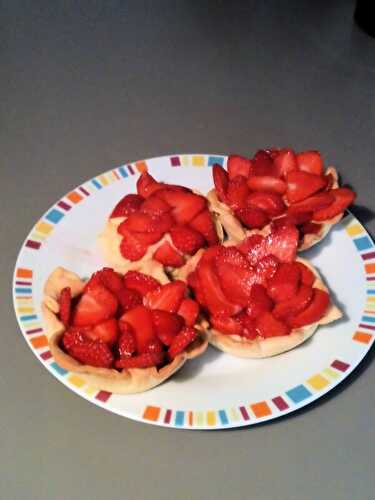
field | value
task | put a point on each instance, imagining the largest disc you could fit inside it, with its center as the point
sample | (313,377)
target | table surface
(88,86)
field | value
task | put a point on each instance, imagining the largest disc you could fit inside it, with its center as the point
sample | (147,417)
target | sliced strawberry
(193,282)
(142,283)
(186,239)
(229,255)
(259,302)
(266,268)
(65,305)
(249,330)
(185,205)
(145,223)
(181,341)
(140,319)
(285,282)
(294,305)
(237,192)
(282,243)
(146,185)
(253,248)
(343,197)
(129,298)
(291,219)
(214,298)
(285,162)
(266,183)
(111,280)
(167,325)
(262,164)
(169,256)
(131,247)
(271,203)
(210,254)
(87,351)
(301,185)
(126,342)
(310,228)
(221,180)
(226,325)
(94,281)
(252,217)
(268,326)
(106,331)
(311,162)
(312,203)
(146,360)
(155,346)
(313,312)
(154,206)
(189,310)
(203,223)
(168,297)
(96,305)
(238,165)
(273,152)
(149,238)
(307,276)
(128,205)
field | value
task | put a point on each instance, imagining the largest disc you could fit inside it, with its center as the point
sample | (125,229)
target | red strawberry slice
(262,164)
(230,255)
(87,351)
(146,185)
(193,282)
(144,223)
(268,326)
(237,192)
(149,238)
(249,330)
(155,346)
(221,180)
(181,341)
(259,302)
(307,276)
(169,256)
(94,306)
(185,205)
(252,217)
(106,331)
(142,283)
(311,162)
(266,183)
(167,325)
(301,185)
(285,282)
(65,304)
(189,310)
(226,325)
(273,152)
(93,282)
(294,305)
(271,203)
(146,360)
(285,162)
(343,197)
(140,319)
(129,298)
(313,312)
(111,280)
(310,228)
(168,297)
(186,239)
(131,247)
(266,268)
(126,342)
(291,219)
(214,298)
(128,205)
(312,203)
(282,243)
(238,165)
(154,205)
(253,248)
(203,223)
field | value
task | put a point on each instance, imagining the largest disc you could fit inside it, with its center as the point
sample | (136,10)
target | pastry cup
(237,232)
(126,381)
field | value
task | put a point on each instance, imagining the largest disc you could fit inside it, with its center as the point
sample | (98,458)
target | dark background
(86,86)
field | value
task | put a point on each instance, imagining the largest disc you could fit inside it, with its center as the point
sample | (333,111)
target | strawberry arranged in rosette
(260,300)
(279,187)
(162,222)
(112,324)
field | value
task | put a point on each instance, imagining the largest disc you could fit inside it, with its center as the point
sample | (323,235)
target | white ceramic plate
(216,390)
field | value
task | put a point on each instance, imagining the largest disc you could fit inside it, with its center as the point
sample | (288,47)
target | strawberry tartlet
(162,225)
(278,187)
(124,334)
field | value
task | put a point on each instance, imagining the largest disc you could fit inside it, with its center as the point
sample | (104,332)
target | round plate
(216,390)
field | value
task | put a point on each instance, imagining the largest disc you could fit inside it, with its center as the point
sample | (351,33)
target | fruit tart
(161,225)
(259,299)
(124,334)
(278,187)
